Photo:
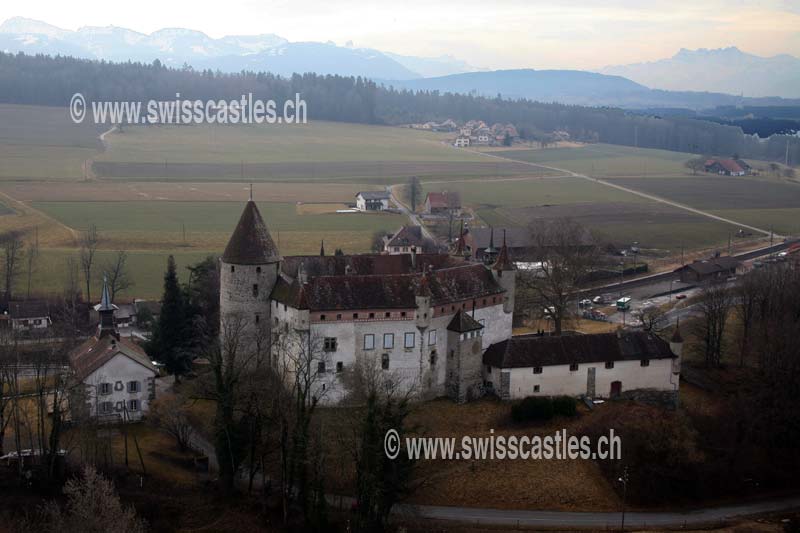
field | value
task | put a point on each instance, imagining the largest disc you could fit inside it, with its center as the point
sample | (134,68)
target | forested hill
(44,80)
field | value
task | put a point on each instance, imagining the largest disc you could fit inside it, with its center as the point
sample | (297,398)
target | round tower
(505,274)
(249,270)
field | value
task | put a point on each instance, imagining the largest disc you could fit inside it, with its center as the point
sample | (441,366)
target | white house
(29,316)
(603,365)
(115,379)
(461,142)
(406,240)
(372,201)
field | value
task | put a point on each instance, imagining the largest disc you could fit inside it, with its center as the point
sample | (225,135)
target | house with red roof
(727,167)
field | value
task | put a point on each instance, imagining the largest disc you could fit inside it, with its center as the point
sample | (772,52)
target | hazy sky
(486,33)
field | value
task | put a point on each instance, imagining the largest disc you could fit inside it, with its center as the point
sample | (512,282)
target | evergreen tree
(169,343)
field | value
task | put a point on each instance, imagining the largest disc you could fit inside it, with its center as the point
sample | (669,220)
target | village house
(442,203)
(715,269)
(115,378)
(29,316)
(461,141)
(406,240)
(727,167)
(602,365)
(372,200)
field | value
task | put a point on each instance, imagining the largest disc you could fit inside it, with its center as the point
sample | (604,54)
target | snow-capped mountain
(176,46)
(726,70)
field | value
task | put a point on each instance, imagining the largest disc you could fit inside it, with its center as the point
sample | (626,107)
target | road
(412,217)
(711,515)
(633,191)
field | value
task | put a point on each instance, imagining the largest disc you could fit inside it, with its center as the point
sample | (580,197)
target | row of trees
(47,80)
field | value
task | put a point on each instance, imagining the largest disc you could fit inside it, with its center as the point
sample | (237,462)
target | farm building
(718,268)
(442,203)
(727,167)
(461,142)
(372,201)
(117,376)
(601,365)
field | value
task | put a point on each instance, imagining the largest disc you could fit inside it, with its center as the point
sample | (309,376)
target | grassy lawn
(784,221)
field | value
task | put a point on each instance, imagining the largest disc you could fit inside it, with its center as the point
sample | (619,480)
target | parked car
(680,296)
(597,300)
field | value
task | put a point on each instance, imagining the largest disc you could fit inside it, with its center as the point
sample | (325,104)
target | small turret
(106,310)
(322,248)
(490,253)
(504,272)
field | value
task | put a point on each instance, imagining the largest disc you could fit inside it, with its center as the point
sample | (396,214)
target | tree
(563,254)
(87,254)
(747,295)
(695,164)
(714,306)
(31,256)
(12,254)
(775,168)
(170,414)
(414,192)
(92,507)
(171,334)
(377,240)
(117,274)
(652,319)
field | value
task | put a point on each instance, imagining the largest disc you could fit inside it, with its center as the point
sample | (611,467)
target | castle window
(133,386)
(369,341)
(488,369)
(339,316)
(433,358)
(258,319)
(339,367)
(573,367)
(284,308)
(105,388)
(385,361)
(355,315)
(644,362)
(387,314)
(329,345)
(609,364)
(442,309)
(258,270)
(432,337)
(403,314)
(484,301)
(133,405)
(255,289)
(536,388)
(233,268)
(106,407)
(321,367)
(322,317)
(537,370)
(388,341)
(408,340)
(372,315)
(452,307)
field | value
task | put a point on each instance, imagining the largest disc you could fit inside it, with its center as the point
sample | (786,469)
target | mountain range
(727,70)
(629,86)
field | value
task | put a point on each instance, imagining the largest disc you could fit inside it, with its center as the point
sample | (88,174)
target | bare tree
(31,257)
(562,256)
(117,273)
(715,304)
(695,164)
(652,319)
(170,413)
(12,254)
(92,505)
(747,294)
(88,251)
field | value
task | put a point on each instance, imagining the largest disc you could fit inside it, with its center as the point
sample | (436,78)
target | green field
(606,160)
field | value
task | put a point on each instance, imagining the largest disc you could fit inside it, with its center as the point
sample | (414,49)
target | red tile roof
(96,352)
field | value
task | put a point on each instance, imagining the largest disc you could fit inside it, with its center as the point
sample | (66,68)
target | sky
(580,34)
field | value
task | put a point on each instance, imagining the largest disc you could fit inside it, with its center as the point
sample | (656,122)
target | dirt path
(25,208)
(638,193)
(412,217)
(88,173)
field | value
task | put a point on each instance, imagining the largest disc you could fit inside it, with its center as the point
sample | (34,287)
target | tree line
(45,80)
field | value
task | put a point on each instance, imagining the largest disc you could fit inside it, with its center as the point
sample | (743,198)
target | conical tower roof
(251,243)
(503,262)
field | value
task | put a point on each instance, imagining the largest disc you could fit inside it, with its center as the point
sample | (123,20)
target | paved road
(596,520)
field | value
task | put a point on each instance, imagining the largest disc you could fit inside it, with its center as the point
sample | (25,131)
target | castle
(437,324)
(423,318)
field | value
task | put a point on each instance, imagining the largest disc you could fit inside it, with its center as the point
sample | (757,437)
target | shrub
(565,406)
(532,408)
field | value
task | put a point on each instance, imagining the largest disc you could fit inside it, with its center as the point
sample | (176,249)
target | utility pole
(730,245)
(786,158)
